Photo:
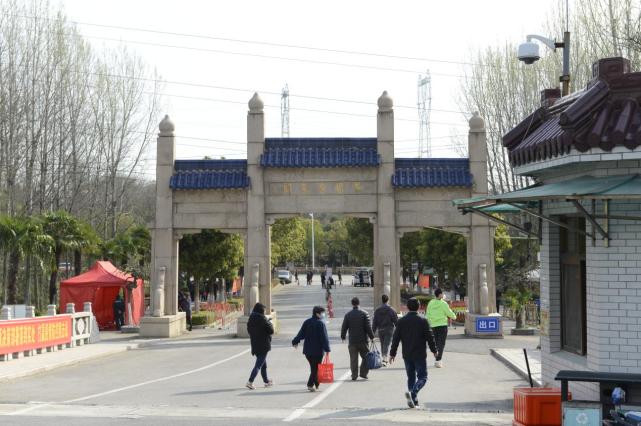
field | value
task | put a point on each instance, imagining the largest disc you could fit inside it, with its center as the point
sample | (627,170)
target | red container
(537,406)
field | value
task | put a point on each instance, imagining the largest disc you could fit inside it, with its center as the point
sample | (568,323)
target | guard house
(583,152)
(285,177)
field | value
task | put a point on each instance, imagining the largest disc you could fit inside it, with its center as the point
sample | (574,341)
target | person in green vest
(437,313)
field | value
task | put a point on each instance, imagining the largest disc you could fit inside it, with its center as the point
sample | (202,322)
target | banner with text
(34,333)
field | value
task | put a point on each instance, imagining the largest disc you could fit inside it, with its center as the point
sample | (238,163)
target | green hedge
(203,318)
(423,299)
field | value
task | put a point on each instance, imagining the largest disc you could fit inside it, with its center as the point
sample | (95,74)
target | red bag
(326,371)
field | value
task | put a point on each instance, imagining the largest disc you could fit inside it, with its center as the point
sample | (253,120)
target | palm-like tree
(22,237)
(67,235)
(89,242)
(141,240)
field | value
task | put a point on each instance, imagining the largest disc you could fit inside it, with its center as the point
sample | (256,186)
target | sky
(237,46)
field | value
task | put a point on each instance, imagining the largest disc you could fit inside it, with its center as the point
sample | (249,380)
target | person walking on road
(340,278)
(385,320)
(413,331)
(437,313)
(357,323)
(260,331)
(314,333)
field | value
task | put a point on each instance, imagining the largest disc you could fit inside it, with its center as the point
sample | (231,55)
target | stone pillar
(387,284)
(385,227)
(71,308)
(253,289)
(6,313)
(30,312)
(51,310)
(87,307)
(158,298)
(480,243)
(257,240)
(164,242)
(166,320)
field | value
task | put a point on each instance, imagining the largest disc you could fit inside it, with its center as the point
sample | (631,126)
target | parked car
(356,278)
(284,276)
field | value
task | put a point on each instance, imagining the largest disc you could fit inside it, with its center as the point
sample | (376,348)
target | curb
(518,370)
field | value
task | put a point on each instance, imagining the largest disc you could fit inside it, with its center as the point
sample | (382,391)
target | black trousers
(440,335)
(313,370)
(188,315)
(356,349)
(119,320)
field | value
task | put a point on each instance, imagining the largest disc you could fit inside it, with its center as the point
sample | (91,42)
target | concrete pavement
(200,378)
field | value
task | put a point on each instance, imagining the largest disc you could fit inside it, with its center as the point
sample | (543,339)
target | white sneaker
(269,383)
(438,364)
(410,401)
(250,386)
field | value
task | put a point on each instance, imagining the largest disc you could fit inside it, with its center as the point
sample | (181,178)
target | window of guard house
(572,267)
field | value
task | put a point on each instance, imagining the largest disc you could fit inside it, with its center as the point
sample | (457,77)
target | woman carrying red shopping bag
(314,333)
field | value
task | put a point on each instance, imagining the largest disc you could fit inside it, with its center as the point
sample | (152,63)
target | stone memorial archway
(284,177)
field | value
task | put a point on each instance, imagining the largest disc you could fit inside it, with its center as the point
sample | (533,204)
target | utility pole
(424,104)
(284,112)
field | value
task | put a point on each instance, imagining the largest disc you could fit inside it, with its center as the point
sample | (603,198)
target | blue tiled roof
(320,152)
(209,174)
(431,172)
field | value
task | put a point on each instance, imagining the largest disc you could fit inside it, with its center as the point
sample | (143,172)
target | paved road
(200,379)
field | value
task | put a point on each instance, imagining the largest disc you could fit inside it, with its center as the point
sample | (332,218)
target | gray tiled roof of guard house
(604,115)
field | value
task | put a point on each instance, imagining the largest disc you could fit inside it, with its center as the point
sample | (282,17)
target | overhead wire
(256,42)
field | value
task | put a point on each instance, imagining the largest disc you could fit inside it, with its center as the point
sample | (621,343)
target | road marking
(137,385)
(320,398)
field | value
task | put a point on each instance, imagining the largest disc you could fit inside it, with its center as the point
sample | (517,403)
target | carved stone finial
(385,102)
(256,103)
(476,122)
(166,126)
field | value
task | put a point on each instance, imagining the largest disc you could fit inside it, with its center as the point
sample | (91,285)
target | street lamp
(313,261)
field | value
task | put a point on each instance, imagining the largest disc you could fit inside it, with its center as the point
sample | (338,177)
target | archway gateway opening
(210,270)
(434,258)
(284,177)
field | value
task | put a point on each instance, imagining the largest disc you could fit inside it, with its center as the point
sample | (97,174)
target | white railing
(84,330)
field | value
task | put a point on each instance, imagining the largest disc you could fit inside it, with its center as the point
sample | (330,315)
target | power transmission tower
(424,111)
(284,112)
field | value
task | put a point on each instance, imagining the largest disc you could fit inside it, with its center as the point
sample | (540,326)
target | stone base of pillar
(130,329)
(241,327)
(472,329)
(241,324)
(165,326)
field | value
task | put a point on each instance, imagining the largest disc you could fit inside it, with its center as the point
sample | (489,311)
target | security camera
(529,52)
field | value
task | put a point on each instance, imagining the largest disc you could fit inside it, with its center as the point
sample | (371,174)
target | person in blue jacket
(314,333)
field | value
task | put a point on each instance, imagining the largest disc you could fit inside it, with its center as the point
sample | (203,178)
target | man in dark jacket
(314,333)
(385,320)
(413,331)
(119,312)
(184,303)
(260,331)
(359,326)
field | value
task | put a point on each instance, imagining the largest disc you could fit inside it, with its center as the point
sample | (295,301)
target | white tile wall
(613,299)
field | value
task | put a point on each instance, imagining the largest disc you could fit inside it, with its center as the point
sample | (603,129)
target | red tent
(100,285)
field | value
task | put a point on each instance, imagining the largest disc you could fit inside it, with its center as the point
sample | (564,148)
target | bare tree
(504,91)
(74,124)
